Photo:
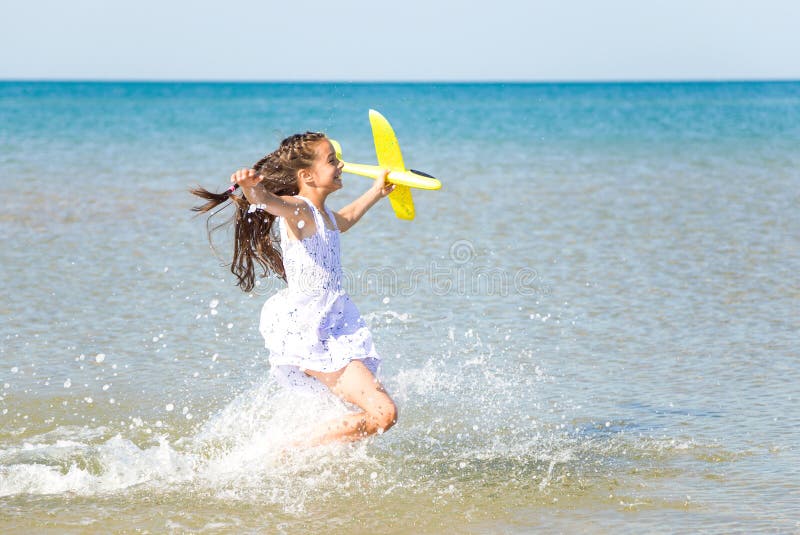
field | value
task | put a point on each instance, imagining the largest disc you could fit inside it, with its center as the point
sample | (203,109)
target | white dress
(312,324)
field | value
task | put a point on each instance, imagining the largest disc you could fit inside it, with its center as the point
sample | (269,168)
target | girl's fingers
(244,175)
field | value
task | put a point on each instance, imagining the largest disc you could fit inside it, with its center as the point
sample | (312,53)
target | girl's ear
(304,176)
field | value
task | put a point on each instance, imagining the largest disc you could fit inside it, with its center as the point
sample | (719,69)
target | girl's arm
(289,208)
(350,214)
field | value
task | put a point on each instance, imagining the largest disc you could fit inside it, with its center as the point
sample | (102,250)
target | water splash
(479,415)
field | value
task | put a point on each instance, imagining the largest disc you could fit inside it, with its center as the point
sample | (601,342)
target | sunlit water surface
(592,327)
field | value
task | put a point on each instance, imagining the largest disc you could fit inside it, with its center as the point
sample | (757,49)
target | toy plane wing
(387,149)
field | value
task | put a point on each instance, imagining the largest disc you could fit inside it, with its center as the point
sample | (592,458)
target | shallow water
(592,327)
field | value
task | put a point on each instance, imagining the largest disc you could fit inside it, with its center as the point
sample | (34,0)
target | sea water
(592,327)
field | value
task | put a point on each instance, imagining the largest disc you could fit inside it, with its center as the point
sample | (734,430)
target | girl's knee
(387,416)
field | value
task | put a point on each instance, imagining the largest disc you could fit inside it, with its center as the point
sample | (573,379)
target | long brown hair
(254,242)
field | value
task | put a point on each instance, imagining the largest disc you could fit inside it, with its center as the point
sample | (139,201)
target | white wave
(245,442)
(121,464)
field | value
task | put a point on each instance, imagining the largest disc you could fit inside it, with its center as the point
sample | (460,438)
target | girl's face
(326,170)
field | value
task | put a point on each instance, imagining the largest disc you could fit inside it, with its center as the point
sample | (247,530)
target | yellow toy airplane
(389,157)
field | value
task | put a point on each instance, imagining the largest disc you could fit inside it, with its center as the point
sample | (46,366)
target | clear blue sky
(402,40)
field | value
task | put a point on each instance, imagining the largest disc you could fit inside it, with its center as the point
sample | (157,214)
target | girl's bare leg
(355,384)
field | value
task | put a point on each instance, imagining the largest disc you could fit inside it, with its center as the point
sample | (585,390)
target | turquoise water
(592,327)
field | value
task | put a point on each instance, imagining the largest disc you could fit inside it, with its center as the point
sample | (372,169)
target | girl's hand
(246,178)
(381,185)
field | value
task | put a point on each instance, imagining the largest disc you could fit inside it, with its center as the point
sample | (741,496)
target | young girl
(312,329)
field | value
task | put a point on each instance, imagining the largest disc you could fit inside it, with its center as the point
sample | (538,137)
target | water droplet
(106,387)
(213,303)
(373,476)
(386,300)
(301,224)
(168,407)
(14,369)
(67,383)
(100,357)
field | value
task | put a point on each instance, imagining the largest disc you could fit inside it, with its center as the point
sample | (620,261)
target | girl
(312,329)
